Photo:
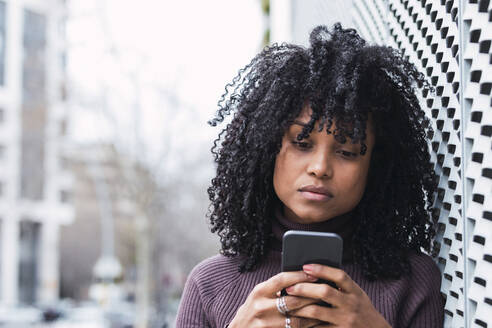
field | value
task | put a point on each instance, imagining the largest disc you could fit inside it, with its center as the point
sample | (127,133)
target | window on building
(28,260)
(65,196)
(34,106)
(1,253)
(63,127)
(63,163)
(63,91)
(3,42)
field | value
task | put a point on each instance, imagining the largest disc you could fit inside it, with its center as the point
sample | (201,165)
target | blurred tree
(162,187)
(265,8)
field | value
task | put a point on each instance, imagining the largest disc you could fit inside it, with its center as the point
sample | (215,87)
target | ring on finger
(281,306)
(287,322)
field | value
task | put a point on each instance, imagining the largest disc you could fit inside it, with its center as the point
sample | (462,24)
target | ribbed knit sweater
(215,289)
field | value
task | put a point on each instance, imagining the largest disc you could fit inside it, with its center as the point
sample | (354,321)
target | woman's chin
(309,218)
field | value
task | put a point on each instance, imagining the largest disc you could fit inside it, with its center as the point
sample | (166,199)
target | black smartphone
(309,247)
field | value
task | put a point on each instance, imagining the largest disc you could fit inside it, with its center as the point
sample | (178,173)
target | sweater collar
(341,225)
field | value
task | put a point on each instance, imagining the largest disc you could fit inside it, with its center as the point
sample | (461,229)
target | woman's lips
(316,193)
(315,196)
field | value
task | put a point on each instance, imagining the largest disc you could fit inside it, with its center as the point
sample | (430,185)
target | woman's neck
(341,225)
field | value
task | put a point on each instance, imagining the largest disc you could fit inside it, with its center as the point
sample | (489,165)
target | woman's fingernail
(312,278)
(308,268)
(289,289)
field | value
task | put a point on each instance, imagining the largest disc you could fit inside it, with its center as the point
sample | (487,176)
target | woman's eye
(347,154)
(301,145)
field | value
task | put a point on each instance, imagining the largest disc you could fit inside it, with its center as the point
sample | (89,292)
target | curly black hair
(343,79)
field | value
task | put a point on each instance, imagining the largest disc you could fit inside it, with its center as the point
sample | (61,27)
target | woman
(329,138)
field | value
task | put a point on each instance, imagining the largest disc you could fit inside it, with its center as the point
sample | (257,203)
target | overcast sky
(160,56)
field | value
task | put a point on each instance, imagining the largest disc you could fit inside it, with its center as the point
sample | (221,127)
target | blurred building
(34,185)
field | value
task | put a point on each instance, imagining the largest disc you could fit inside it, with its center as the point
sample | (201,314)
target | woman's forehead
(305,114)
(304,118)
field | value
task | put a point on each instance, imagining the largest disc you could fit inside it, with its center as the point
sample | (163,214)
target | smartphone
(309,247)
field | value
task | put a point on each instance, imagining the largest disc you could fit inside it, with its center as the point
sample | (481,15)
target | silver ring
(281,306)
(287,322)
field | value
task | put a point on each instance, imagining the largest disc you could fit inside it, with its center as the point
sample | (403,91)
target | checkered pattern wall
(450,41)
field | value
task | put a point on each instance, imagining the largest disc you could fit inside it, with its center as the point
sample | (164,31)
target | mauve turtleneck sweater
(215,289)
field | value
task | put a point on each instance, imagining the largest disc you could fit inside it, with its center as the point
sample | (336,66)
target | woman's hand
(260,308)
(351,305)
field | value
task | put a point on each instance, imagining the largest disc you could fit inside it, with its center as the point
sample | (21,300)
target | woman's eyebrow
(300,123)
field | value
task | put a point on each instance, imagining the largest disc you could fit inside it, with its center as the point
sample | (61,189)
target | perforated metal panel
(433,34)
(369,20)
(477,81)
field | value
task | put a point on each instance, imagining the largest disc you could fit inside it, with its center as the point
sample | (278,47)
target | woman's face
(318,178)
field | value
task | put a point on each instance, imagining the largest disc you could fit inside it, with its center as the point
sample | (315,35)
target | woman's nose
(320,165)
